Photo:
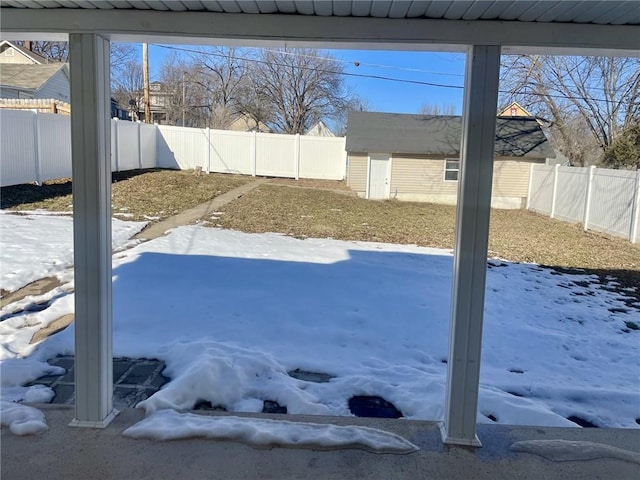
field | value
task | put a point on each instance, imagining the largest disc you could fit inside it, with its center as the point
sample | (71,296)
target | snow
(572,451)
(24,257)
(171,425)
(231,313)
(22,419)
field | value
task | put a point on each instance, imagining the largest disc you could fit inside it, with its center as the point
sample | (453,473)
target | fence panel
(231,152)
(55,146)
(127,153)
(322,157)
(276,155)
(571,193)
(612,198)
(148,150)
(17,148)
(541,191)
(181,147)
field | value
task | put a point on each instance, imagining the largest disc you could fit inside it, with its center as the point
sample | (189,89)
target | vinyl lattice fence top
(601,199)
(35,147)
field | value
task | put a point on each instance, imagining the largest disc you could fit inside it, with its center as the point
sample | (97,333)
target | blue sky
(387,95)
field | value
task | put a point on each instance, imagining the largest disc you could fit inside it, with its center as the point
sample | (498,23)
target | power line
(374,77)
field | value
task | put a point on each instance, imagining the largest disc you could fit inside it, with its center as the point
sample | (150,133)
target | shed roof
(439,134)
(28,76)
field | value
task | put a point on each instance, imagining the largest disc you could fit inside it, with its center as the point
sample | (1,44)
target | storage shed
(416,157)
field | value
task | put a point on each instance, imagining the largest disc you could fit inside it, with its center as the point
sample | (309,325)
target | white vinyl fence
(601,199)
(251,153)
(35,147)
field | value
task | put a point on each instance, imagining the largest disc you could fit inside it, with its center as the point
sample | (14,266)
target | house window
(451,169)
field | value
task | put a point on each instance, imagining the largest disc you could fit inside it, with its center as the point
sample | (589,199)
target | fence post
(635,212)
(529,189)
(116,148)
(587,200)
(555,191)
(208,150)
(37,148)
(297,156)
(139,147)
(254,154)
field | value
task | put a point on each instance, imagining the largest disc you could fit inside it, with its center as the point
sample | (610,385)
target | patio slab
(74,453)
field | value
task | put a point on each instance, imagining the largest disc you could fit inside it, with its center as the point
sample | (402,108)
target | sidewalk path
(194,214)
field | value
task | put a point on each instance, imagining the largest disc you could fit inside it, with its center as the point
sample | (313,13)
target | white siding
(57,87)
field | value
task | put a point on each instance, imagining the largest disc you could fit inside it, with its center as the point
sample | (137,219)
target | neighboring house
(245,123)
(416,157)
(320,130)
(514,110)
(559,159)
(21,80)
(12,53)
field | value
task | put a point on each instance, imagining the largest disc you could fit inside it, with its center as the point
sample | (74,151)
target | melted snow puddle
(572,451)
(171,425)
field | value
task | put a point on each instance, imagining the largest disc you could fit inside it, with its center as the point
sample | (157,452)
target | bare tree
(431,109)
(297,87)
(594,96)
(127,88)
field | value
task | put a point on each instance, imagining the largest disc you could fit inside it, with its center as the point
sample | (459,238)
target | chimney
(27,45)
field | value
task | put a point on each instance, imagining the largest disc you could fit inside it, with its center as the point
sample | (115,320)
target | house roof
(439,135)
(27,76)
(38,59)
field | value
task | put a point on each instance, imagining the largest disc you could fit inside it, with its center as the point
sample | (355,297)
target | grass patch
(516,235)
(319,213)
(135,195)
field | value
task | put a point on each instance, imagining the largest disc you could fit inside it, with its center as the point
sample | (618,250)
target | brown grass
(516,235)
(310,183)
(139,195)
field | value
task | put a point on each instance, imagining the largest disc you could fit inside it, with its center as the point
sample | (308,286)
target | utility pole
(145,79)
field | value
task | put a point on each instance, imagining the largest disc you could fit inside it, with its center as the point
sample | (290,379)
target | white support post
(530,184)
(471,244)
(90,145)
(116,145)
(587,198)
(139,137)
(554,194)
(37,147)
(635,213)
(208,150)
(254,154)
(297,157)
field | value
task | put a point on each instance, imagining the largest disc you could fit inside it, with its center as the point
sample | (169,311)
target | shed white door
(379,173)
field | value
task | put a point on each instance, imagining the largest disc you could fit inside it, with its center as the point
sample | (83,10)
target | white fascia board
(328,32)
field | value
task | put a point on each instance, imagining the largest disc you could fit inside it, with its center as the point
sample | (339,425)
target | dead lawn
(135,195)
(516,235)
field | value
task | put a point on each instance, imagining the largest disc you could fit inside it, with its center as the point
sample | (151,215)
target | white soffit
(563,27)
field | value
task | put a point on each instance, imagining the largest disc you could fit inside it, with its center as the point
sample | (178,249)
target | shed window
(451,169)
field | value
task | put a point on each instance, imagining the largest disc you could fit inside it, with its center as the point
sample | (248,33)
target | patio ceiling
(601,12)
(560,27)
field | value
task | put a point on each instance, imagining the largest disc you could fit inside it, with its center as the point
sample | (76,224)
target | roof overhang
(278,30)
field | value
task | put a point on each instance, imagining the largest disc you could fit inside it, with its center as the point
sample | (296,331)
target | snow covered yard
(232,313)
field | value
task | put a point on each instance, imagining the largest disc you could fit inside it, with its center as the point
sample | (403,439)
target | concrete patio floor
(72,453)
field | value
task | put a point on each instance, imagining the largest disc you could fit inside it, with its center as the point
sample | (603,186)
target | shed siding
(357,173)
(414,175)
(57,88)
(511,177)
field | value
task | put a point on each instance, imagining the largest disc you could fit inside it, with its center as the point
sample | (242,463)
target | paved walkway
(194,214)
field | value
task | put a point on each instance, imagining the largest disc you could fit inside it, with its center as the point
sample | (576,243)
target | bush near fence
(601,199)
(35,147)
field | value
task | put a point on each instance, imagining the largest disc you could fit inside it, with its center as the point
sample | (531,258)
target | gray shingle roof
(439,135)
(27,76)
